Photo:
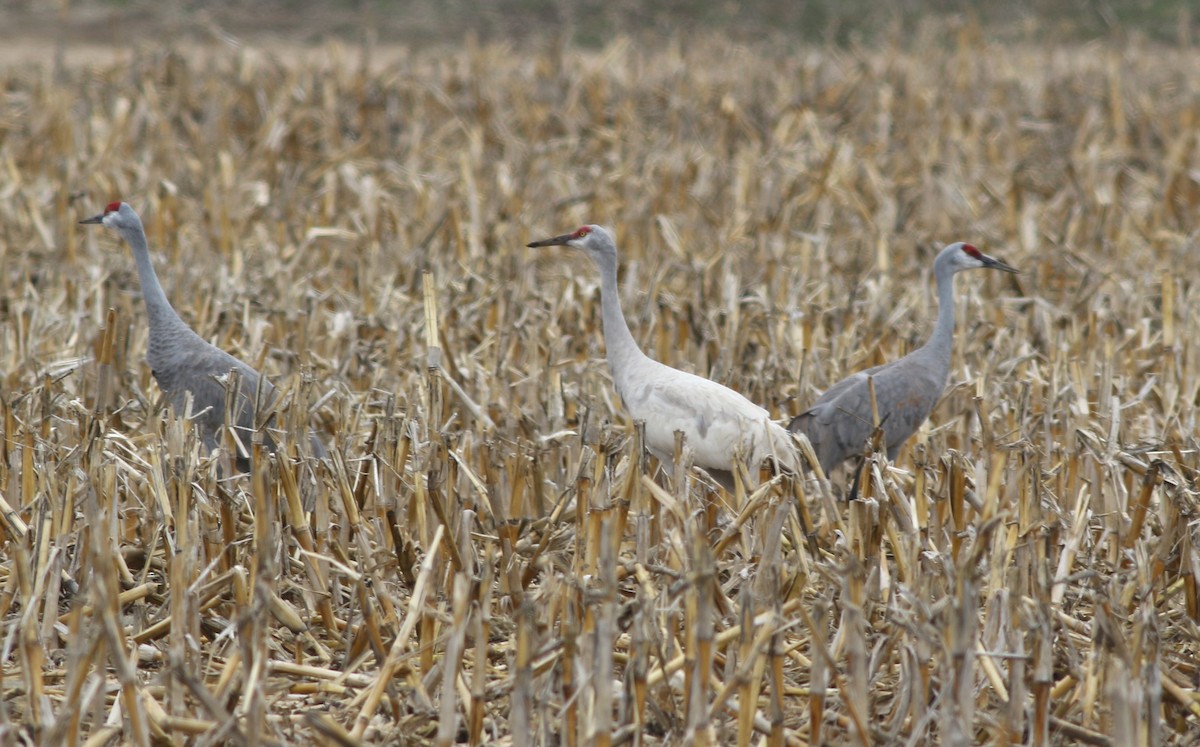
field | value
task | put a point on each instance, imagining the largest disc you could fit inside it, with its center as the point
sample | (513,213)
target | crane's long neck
(621,347)
(941,342)
(161,314)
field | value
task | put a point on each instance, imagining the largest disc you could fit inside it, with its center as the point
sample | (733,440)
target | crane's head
(117,215)
(963,256)
(596,240)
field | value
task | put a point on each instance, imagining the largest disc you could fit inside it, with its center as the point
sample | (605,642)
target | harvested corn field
(488,556)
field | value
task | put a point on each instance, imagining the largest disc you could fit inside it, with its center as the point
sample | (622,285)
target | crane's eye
(583,231)
(972,251)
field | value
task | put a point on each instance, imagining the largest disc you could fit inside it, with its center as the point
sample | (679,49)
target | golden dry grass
(486,558)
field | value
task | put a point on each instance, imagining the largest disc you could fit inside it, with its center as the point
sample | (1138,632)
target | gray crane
(184,362)
(840,421)
(719,424)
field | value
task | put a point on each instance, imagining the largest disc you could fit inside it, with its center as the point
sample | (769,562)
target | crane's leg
(858,470)
(724,478)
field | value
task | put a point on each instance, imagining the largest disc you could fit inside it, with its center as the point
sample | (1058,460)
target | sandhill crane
(180,359)
(719,424)
(906,390)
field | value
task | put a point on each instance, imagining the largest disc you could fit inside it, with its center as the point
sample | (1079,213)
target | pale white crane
(840,421)
(183,362)
(719,424)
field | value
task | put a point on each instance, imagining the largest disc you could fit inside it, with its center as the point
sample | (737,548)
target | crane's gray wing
(817,422)
(855,379)
(201,372)
(840,422)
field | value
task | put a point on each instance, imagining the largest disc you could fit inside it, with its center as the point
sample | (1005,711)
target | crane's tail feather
(797,423)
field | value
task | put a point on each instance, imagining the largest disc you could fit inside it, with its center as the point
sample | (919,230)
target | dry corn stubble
(485,559)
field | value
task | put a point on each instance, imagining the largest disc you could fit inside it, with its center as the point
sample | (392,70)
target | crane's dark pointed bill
(95,219)
(996,264)
(556,241)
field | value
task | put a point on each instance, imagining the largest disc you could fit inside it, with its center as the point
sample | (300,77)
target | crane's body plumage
(719,425)
(840,421)
(188,364)
(906,391)
(182,361)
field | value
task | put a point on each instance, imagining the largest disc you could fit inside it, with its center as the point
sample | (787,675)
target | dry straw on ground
(487,557)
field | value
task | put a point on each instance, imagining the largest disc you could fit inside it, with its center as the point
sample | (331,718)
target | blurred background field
(591,22)
(341,195)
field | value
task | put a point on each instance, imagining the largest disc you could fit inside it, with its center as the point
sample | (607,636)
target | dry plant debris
(487,557)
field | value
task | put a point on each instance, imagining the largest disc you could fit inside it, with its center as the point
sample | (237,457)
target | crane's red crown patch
(970,249)
(112,207)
